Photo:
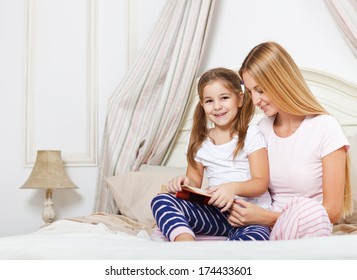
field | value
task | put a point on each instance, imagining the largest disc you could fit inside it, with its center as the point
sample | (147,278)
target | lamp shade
(48,173)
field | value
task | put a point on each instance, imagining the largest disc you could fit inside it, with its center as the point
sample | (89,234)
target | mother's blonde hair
(281,80)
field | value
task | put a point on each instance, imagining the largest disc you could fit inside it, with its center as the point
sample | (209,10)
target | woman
(309,179)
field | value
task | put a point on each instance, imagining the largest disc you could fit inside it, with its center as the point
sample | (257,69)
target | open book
(194,194)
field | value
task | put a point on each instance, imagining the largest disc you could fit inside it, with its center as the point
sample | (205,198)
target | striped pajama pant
(175,216)
(302,217)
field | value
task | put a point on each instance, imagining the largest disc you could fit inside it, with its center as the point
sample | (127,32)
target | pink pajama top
(296,161)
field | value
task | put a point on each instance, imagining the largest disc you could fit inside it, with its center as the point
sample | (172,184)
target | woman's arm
(243,213)
(333,182)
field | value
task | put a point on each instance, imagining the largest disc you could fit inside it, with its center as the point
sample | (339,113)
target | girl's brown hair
(200,128)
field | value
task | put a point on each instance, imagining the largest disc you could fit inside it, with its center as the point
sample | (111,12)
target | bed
(131,235)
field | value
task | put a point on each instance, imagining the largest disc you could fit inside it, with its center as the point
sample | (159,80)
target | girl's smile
(220,104)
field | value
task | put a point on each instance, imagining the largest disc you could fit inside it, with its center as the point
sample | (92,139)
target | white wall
(58,87)
(304,27)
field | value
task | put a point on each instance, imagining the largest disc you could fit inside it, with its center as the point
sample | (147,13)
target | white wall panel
(61,93)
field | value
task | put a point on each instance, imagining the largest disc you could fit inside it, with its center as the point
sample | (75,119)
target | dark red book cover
(193,194)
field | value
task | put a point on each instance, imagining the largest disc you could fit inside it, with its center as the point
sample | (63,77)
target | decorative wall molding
(132,31)
(90,156)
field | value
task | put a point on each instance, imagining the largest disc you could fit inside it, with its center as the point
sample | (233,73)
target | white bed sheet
(67,240)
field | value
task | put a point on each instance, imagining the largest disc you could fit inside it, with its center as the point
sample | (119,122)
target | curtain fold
(145,110)
(345,14)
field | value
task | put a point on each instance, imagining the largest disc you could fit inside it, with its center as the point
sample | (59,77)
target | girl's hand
(174,185)
(243,213)
(222,196)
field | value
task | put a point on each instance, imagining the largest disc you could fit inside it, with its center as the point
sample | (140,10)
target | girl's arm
(193,178)
(258,184)
(333,182)
(223,195)
(195,175)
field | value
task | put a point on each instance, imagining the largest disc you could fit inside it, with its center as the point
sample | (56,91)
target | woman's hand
(243,213)
(222,196)
(174,185)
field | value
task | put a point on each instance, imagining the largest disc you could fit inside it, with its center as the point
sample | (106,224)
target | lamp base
(48,214)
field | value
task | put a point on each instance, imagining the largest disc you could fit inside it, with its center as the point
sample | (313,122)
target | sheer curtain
(145,110)
(345,14)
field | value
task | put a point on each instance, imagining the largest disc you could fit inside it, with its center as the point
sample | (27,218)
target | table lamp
(48,173)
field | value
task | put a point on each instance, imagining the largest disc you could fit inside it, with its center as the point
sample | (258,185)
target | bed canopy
(146,109)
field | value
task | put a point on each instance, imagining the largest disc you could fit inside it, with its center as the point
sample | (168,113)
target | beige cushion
(166,169)
(133,191)
(353,173)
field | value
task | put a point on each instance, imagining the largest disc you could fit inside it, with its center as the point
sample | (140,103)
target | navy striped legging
(175,216)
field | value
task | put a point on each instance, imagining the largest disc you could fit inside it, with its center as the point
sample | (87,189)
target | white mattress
(65,240)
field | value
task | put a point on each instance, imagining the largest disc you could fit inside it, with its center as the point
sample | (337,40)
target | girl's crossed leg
(175,217)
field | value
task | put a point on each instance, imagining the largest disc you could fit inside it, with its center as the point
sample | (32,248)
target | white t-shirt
(295,162)
(220,167)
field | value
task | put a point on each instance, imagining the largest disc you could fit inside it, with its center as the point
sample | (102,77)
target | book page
(195,190)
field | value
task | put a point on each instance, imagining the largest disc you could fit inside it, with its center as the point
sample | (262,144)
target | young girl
(234,158)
